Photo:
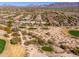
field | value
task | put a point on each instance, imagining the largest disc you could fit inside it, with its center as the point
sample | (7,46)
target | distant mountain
(57,5)
(64,4)
(53,5)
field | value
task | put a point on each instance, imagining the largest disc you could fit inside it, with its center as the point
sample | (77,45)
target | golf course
(2,45)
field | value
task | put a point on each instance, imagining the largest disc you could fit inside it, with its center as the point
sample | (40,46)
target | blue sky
(24,3)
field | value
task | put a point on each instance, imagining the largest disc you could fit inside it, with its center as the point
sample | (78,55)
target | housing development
(40,30)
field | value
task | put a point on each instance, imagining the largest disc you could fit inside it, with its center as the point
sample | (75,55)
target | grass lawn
(46,48)
(2,45)
(74,32)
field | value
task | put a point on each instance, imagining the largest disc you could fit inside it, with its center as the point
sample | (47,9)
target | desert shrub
(76,51)
(15,40)
(6,35)
(35,41)
(50,42)
(15,34)
(45,28)
(30,42)
(63,46)
(41,41)
(8,29)
(32,28)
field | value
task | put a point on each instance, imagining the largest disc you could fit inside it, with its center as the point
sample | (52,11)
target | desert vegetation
(43,30)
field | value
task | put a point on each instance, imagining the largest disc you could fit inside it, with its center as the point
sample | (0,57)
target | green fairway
(74,32)
(2,45)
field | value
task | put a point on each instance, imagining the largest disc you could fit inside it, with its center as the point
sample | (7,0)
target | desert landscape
(50,30)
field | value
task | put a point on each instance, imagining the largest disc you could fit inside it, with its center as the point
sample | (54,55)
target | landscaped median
(2,45)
